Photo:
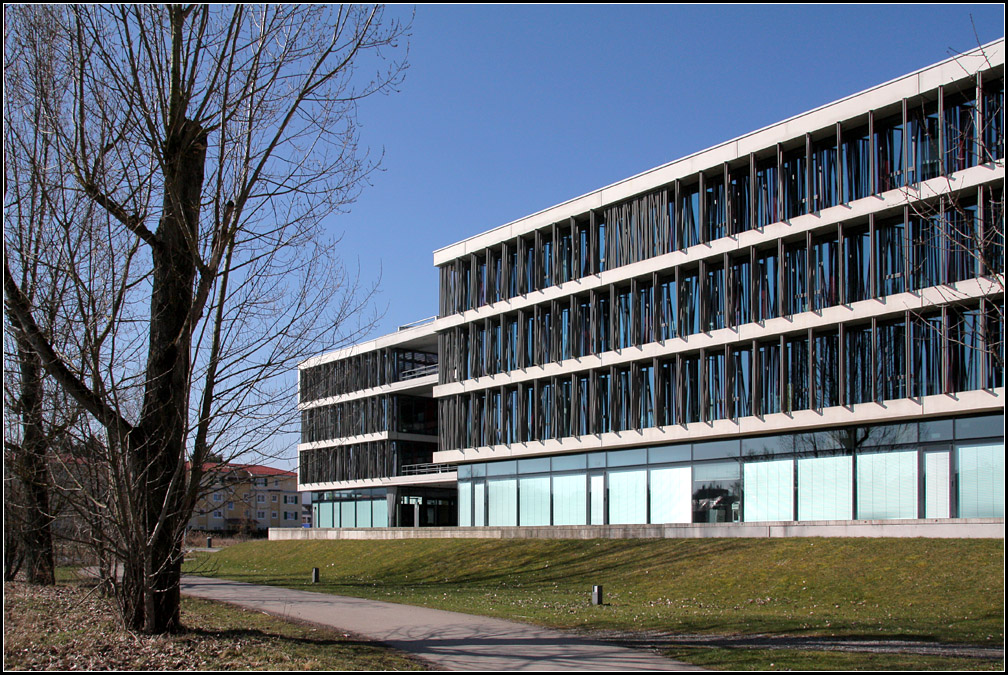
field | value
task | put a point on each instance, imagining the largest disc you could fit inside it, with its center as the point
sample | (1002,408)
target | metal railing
(418,322)
(414,373)
(422,469)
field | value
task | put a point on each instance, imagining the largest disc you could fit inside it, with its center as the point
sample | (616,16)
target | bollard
(314,575)
(209,542)
(596,595)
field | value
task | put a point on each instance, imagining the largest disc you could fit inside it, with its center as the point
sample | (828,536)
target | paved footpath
(448,640)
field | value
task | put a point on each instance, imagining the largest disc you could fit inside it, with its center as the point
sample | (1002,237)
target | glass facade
(906,354)
(359,508)
(769,490)
(389,507)
(825,488)
(981,479)
(358,372)
(353,433)
(885,360)
(882,472)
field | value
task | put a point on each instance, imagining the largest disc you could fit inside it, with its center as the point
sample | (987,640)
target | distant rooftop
(252,469)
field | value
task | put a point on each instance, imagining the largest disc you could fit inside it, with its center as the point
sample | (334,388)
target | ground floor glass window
(930,469)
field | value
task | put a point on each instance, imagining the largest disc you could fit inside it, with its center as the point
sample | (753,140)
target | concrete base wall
(957,528)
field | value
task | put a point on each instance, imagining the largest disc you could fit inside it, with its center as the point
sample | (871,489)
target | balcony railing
(423,469)
(418,322)
(414,373)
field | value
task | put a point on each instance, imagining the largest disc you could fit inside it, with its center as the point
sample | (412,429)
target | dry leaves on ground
(73,627)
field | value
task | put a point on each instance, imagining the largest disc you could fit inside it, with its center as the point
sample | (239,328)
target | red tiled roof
(259,470)
(252,469)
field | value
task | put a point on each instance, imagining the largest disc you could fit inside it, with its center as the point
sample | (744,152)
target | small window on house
(260,514)
(274,515)
(217,514)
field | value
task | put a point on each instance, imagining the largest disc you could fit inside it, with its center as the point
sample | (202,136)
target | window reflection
(717,492)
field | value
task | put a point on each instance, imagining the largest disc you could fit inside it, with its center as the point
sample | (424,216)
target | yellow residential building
(247,498)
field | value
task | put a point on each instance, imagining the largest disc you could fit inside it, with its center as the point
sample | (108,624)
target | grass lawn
(70,627)
(792,659)
(918,589)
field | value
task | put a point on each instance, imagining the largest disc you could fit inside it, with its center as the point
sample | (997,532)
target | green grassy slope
(930,589)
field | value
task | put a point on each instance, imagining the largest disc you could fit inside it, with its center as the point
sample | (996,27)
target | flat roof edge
(992,53)
(404,336)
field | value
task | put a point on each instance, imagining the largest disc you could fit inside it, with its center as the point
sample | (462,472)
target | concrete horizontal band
(830,317)
(417,386)
(967,179)
(951,528)
(367,438)
(446,478)
(419,336)
(923,408)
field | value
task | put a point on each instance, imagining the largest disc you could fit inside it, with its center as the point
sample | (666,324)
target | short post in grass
(596,595)
(314,575)
(209,542)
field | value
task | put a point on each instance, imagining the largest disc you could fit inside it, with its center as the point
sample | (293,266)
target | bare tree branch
(214,140)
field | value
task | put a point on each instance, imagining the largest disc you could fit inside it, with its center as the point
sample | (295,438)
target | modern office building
(369,431)
(804,323)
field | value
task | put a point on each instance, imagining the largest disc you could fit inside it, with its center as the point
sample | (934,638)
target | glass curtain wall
(934,469)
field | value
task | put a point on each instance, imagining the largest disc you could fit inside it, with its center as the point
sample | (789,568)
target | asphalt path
(446,640)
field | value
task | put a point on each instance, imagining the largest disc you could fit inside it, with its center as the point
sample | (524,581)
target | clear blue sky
(506,110)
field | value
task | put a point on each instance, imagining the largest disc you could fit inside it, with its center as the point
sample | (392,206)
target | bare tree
(209,142)
(27,514)
(32,414)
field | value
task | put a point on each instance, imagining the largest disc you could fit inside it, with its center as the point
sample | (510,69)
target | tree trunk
(157,444)
(33,471)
